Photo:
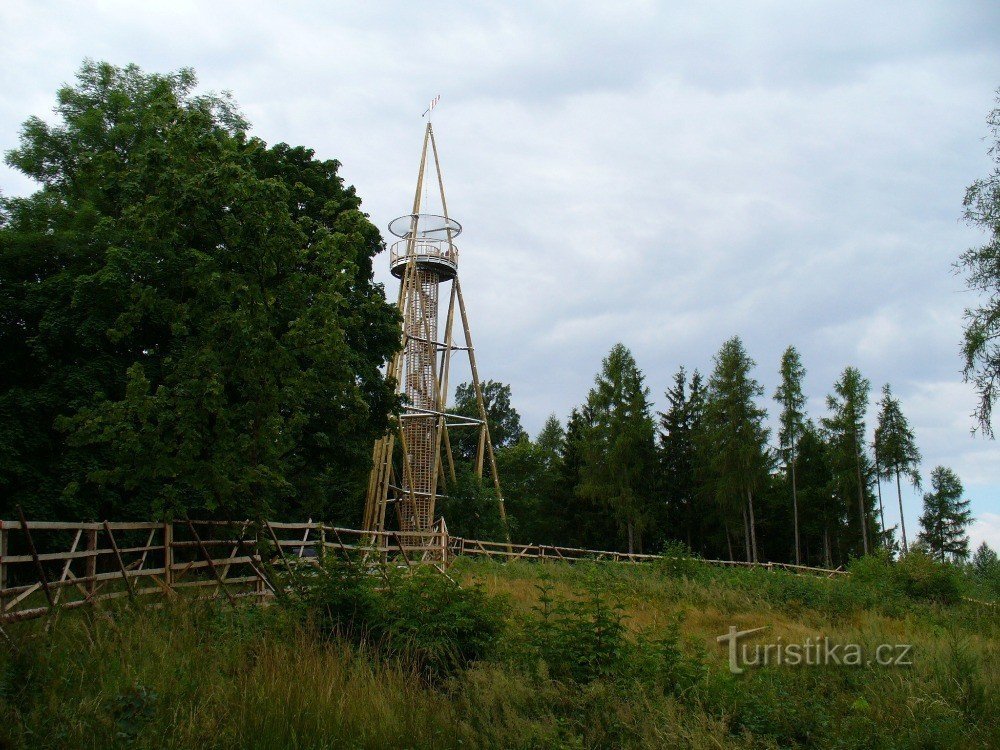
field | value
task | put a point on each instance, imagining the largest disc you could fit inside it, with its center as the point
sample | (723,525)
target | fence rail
(50,565)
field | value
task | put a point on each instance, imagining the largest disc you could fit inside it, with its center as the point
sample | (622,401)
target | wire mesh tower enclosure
(424,258)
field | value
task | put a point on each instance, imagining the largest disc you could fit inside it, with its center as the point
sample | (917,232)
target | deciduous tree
(503,418)
(981,268)
(188,320)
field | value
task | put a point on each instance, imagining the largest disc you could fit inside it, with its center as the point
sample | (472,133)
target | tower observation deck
(411,475)
(430,240)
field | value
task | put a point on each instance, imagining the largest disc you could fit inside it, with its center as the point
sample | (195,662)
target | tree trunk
(827,555)
(753,527)
(878,484)
(861,497)
(746,533)
(795,510)
(631,537)
(902,523)
(729,538)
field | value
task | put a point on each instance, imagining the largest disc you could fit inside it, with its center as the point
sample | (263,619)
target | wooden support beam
(168,555)
(211,563)
(399,544)
(3,564)
(90,567)
(482,409)
(42,578)
(281,554)
(69,561)
(121,563)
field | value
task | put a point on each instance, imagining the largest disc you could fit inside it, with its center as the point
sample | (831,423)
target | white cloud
(666,175)
(986,528)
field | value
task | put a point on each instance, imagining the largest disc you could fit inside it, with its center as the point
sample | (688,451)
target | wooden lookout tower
(413,465)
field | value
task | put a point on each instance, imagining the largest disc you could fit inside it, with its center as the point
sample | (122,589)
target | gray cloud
(661,174)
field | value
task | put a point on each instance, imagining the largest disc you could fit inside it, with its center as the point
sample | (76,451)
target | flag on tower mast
(433,104)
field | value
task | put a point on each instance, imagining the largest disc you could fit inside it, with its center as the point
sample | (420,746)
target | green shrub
(924,578)
(673,666)
(578,640)
(677,560)
(422,615)
(343,599)
(916,576)
(443,625)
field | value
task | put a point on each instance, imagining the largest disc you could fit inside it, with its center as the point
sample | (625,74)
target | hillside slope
(523,656)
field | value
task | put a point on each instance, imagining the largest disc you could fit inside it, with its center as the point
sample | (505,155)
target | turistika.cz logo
(811,653)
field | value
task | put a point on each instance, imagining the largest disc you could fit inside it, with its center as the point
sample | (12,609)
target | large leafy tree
(188,321)
(849,462)
(529,470)
(618,449)
(792,400)
(946,516)
(896,449)
(738,460)
(503,418)
(981,268)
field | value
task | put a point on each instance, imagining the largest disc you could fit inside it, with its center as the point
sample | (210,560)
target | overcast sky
(661,174)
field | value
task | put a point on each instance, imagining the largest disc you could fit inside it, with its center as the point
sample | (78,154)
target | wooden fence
(50,565)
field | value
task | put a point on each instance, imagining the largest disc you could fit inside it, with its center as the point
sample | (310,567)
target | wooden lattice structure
(413,464)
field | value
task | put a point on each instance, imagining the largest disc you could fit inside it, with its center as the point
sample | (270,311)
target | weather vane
(433,104)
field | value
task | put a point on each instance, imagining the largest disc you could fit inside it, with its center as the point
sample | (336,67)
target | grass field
(523,656)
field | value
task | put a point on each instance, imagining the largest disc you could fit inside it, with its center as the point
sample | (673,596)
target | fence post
(3,565)
(168,554)
(90,569)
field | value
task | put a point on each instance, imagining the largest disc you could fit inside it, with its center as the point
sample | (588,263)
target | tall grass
(585,656)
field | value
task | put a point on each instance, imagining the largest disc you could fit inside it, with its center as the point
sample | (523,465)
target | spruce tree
(551,439)
(946,516)
(583,521)
(896,449)
(985,563)
(789,395)
(845,430)
(735,432)
(619,451)
(678,426)
(822,512)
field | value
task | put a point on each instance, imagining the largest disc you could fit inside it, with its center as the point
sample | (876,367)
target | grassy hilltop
(522,656)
